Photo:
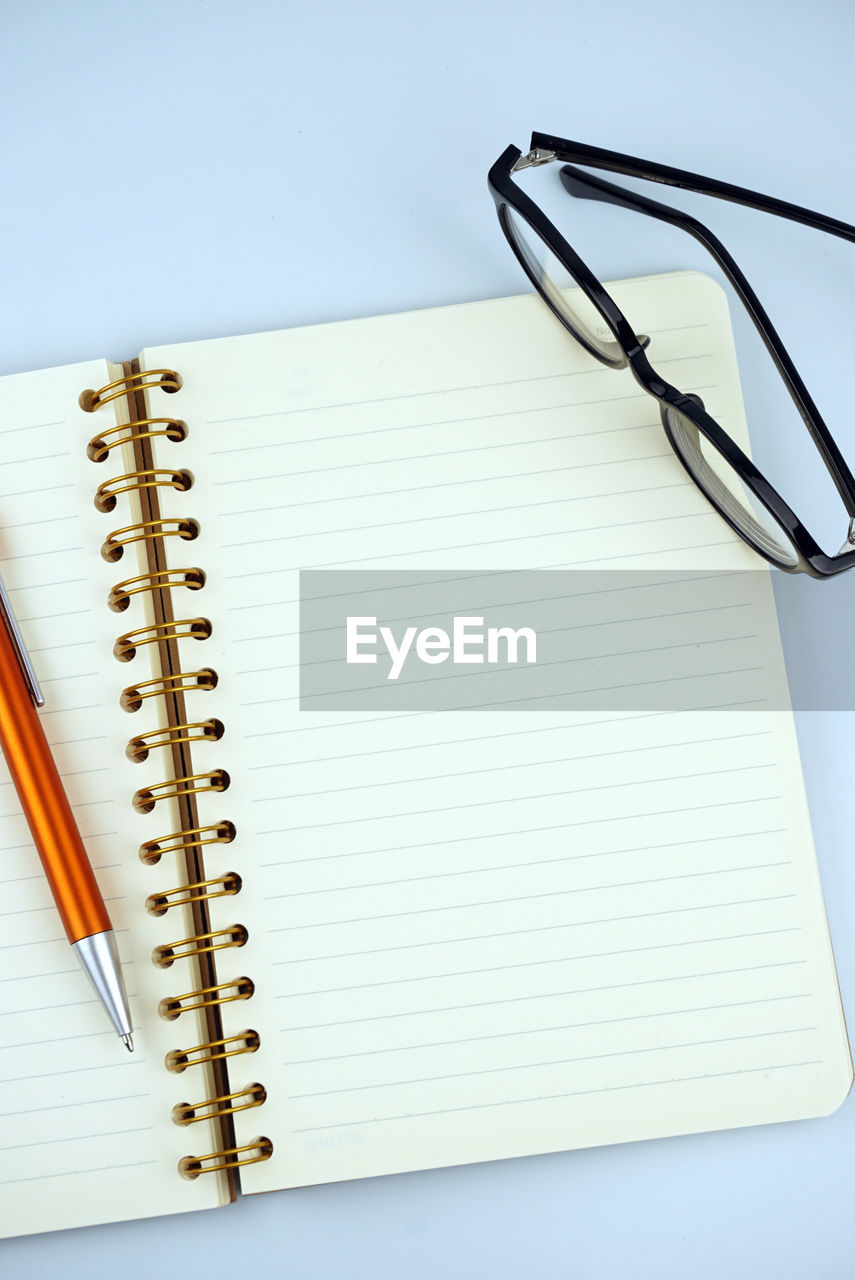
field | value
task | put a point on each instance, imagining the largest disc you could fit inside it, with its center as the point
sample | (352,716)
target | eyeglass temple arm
(588,187)
(633,167)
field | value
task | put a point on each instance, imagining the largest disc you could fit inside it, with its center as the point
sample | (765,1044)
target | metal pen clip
(8,619)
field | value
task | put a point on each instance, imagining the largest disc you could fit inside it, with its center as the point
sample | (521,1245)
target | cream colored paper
(476,936)
(85,1128)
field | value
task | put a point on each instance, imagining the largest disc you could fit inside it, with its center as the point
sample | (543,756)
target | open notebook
(429,938)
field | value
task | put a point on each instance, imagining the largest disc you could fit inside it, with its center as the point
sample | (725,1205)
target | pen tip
(129,1043)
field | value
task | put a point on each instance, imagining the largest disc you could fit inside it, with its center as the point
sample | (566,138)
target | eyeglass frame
(545,149)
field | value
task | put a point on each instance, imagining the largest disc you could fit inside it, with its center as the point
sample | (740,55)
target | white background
(194,169)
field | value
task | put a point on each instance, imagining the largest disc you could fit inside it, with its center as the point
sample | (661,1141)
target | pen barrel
(45,804)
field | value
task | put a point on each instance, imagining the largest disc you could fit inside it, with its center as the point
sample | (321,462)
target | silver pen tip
(129,1042)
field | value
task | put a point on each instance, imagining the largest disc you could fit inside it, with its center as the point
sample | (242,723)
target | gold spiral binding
(165,955)
(222,993)
(113,548)
(178,1060)
(132,698)
(231,1158)
(166,379)
(151,530)
(98,448)
(158,580)
(150,478)
(146,798)
(126,646)
(198,731)
(225,886)
(227,1104)
(153,850)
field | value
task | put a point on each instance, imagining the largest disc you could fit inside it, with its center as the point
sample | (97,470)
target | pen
(51,822)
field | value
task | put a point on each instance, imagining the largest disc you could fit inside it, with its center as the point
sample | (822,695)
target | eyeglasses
(728,477)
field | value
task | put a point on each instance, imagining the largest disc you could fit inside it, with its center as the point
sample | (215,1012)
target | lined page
(484,934)
(85,1128)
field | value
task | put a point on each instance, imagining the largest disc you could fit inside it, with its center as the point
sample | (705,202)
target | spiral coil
(253,1095)
(149,533)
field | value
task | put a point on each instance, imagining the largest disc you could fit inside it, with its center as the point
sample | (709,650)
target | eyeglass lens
(561,290)
(726,490)
(707,466)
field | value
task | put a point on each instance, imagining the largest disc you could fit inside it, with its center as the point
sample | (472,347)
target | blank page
(477,934)
(85,1128)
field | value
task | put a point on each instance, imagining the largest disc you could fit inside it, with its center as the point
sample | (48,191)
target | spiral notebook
(359,945)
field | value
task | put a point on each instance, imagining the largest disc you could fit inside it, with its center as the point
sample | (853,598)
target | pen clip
(8,619)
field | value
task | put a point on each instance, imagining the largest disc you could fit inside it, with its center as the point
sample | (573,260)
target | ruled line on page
(30,459)
(538,698)
(81,1137)
(50,942)
(441,456)
(38,426)
(516,733)
(526,411)
(75,1173)
(73,1071)
(46,488)
(51,617)
(518,765)
(325,726)
(554,893)
(40,586)
(573,924)
(526,964)
(494,542)
(586,822)
(72,773)
(32,524)
(83,1035)
(56,552)
(66,644)
(81,1102)
(597,1022)
(105,866)
(571,596)
(498,1035)
(445,675)
(32,977)
(546,795)
(545,631)
(51,906)
(49,1008)
(555,960)
(575,1093)
(498,868)
(446,517)
(353,497)
(457,578)
(552,1062)
(525,831)
(447,391)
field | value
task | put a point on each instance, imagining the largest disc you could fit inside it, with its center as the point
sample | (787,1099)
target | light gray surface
(194,169)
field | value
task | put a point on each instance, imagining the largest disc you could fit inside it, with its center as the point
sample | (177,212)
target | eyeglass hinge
(535,157)
(850,538)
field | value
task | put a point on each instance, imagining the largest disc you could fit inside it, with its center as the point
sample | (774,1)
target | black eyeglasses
(738,491)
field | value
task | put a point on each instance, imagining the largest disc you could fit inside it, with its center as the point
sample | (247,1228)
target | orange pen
(54,831)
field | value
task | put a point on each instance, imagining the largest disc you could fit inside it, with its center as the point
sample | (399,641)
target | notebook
(363,942)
